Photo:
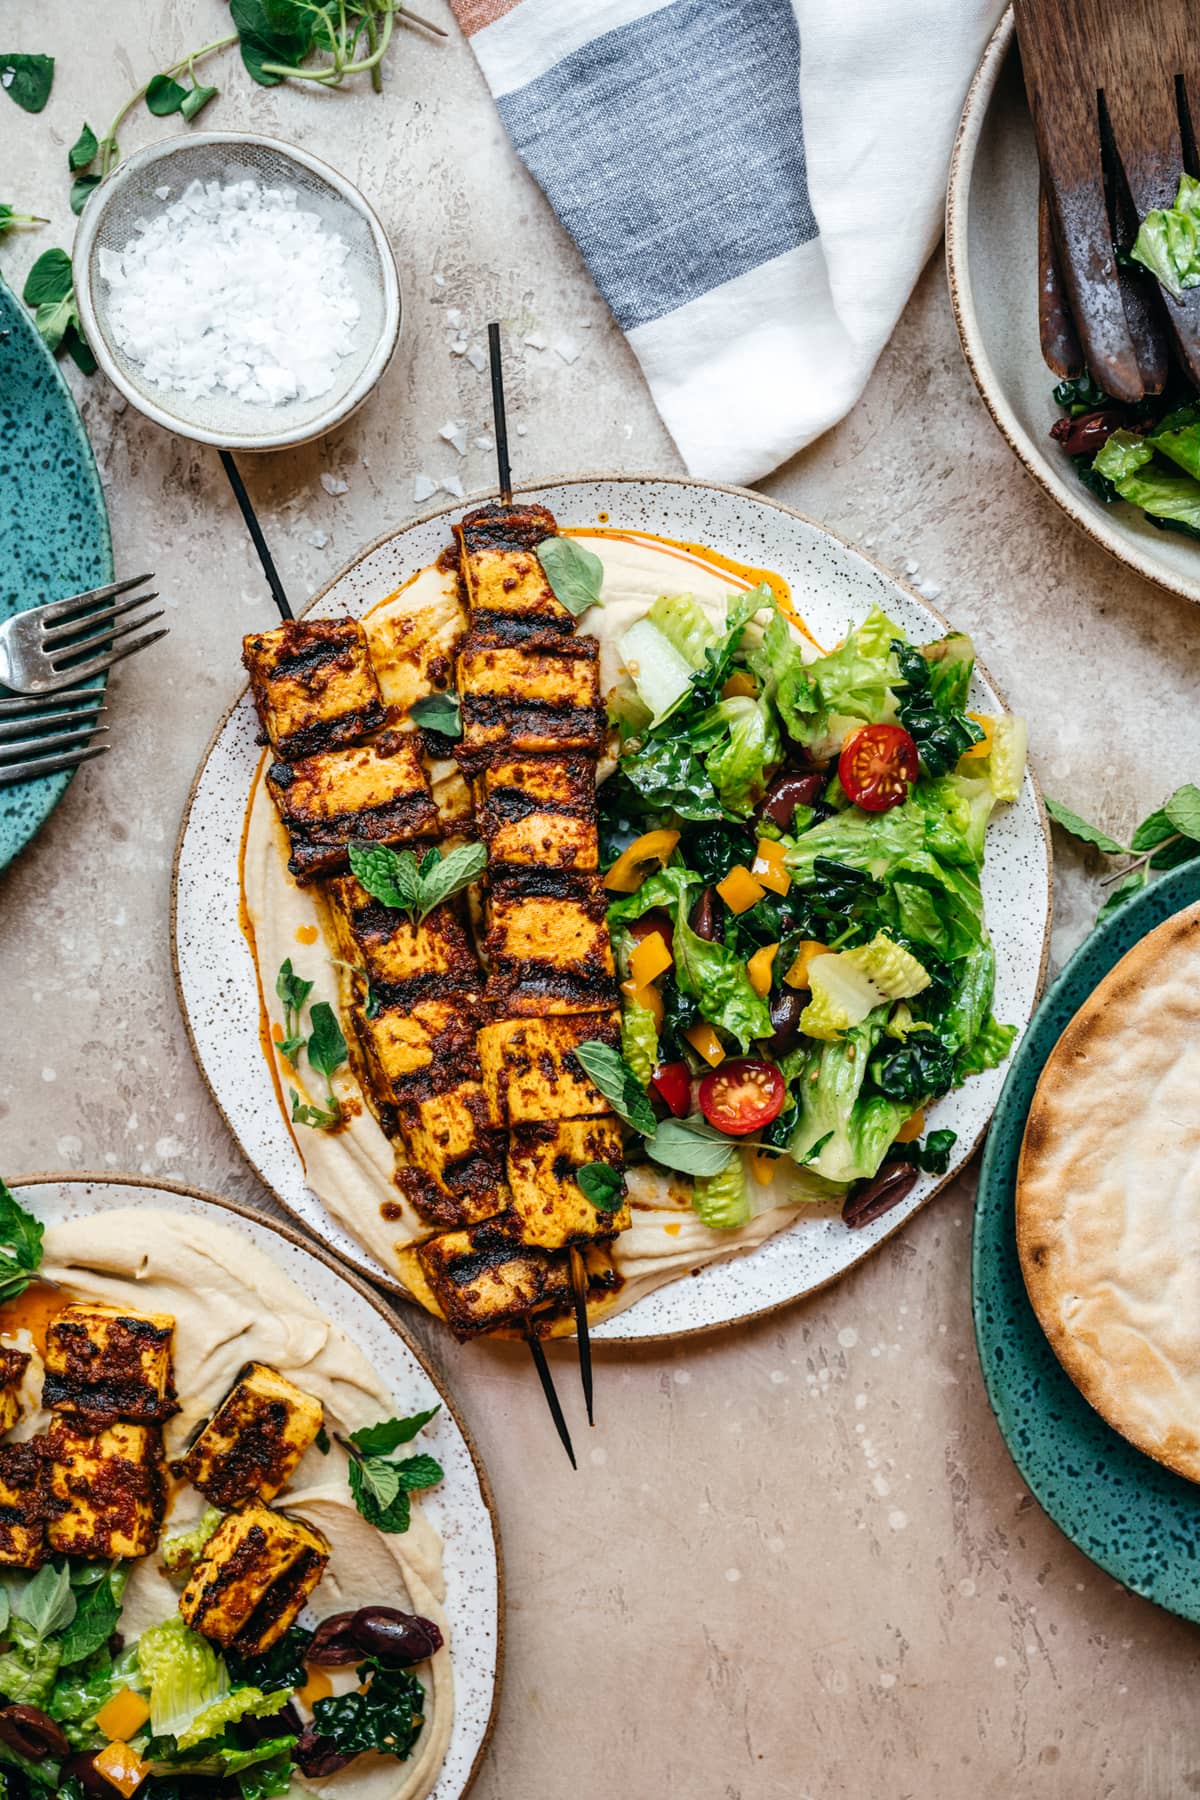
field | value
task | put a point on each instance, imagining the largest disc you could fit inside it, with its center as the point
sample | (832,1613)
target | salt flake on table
(458,345)
(477,357)
(334,484)
(454,431)
(423,487)
(456,319)
(521,430)
(567,347)
(451,484)
(485,442)
(318,539)
(535,340)
(161,193)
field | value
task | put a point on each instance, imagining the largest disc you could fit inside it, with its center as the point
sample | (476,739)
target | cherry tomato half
(741,1096)
(877,767)
(672,1082)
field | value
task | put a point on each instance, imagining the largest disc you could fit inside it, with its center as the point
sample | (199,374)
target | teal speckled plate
(1134,1518)
(54,536)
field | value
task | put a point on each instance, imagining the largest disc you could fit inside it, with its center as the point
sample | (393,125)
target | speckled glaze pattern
(54,537)
(461,1508)
(991,260)
(833,586)
(1133,1517)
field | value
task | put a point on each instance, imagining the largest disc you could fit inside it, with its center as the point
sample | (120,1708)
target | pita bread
(1108,1196)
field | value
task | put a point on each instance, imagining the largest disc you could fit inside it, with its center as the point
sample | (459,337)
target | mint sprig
(1167,837)
(381,1485)
(397,879)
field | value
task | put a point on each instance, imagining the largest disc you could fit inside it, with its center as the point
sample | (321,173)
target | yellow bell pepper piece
(123,1716)
(769,867)
(705,1043)
(797,975)
(739,686)
(912,1127)
(648,998)
(650,958)
(634,864)
(762,1167)
(739,890)
(984,746)
(121,1767)
(759,969)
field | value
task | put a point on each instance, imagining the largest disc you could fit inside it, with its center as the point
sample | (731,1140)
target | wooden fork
(1113,86)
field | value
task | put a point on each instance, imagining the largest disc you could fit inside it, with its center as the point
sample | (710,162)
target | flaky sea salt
(452,485)
(567,347)
(423,487)
(454,431)
(233,288)
(477,357)
(334,484)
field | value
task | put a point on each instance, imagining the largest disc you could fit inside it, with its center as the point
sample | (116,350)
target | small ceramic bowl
(155,177)
(991,257)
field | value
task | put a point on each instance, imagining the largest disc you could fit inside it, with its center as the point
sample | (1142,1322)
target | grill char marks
(539,811)
(538,696)
(13,1366)
(103,1364)
(506,586)
(107,1489)
(253,1443)
(23,1505)
(547,947)
(483,1280)
(313,685)
(406,962)
(377,793)
(252,1578)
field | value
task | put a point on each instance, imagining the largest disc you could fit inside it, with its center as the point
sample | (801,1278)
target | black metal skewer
(582,1334)
(244,501)
(547,1381)
(503,471)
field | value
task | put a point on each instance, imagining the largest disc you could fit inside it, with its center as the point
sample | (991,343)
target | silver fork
(42,736)
(50,647)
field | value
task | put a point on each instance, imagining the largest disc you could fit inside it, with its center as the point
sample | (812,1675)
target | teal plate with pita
(54,537)
(1134,1518)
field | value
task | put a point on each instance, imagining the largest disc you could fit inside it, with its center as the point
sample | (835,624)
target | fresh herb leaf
(575,575)
(272,33)
(290,988)
(609,1071)
(1183,810)
(97,1609)
(82,188)
(50,279)
(398,880)
(438,712)
(49,289)
(318,1117)
(20,1245)
(326,1046)
(46,1604)
(195,100)
(164,96)
(322,1441)
(12,220)
(83,151)
(603,1185)
(389,1434)
(1152,831)
(1079,828)
(27,80)
(691,1146)
(1130,884)
(385,1716)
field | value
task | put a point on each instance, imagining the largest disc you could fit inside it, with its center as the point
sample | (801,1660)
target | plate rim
(91,472)
(1184,890)
(976,109)
(299,1241)
(456,507)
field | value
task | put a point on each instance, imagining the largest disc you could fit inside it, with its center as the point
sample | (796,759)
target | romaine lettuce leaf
(717,980)
(1168,240)
(722,1201)
(857,680)
(849,984)
(849,1133)
(639,1039)
(240,1703)
(779,665)
(182,1673)
(987,1049)
(748,747)
(1129,463)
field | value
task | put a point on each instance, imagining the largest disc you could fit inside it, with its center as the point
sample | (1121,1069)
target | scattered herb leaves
(603,1185)
(389,1434)
(575,575)
(27,80)
(1169,836)
(397,879)
(50,290)
(380,1485)
(609,1071)
(1080,829)
(20,1246)
(438,712)
(293,992)
(691,1147)
(12,220)
(83,151)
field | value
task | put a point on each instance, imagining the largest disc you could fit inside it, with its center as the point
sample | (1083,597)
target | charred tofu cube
(454,1163)
(540,810)
(506,584)
(405,962)
(254,1575)
(543,1162)
(313,684)
(376,793)
(250,1447)
(540,695)
(107,1489)
(529,1072)
(547,945)
(483,1279)
(13,1365)
(407,1052)
(22,1505)
(105,1363)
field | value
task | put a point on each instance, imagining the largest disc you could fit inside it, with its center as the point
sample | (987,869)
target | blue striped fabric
(672,149)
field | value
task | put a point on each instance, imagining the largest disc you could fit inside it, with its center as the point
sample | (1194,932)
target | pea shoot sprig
(325,1047)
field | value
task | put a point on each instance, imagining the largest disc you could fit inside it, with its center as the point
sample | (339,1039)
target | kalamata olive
(316,1756)
(333,1643)
(1083,437)
(250,1731)
(398,1639)
(786,1007)
(703,916)
(786,793)
(84,1769)
(879,1196)
(32,1732)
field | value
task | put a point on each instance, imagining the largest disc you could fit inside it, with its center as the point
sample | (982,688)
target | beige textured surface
(796,1563)
(1108,1196)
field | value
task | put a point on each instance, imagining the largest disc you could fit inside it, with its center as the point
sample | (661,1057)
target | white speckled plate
(461,1508)
(991,260)
(833,586)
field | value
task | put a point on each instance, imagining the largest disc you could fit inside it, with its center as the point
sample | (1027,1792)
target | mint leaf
(575,575)
(389,1434)
(1183,810)
(50,279)
(1079,828)
(388,875)
(691,1146)
(318,1117)
(1152,831)
(20,1232)
(368,1487)
(1132,884)
(609,1071)
(603,1185)
(438,712)
(417,1472)
(326,1046)
(27,80)
(442,878)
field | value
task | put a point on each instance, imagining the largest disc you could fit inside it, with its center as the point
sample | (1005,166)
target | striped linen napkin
(754,184)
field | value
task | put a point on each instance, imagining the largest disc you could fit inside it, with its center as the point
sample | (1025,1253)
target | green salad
(793,845)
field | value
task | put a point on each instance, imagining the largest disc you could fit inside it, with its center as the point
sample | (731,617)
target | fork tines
(48,734)
(76,631)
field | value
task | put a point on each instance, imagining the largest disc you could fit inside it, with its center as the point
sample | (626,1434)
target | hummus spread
(232,1304)
(351,1169)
